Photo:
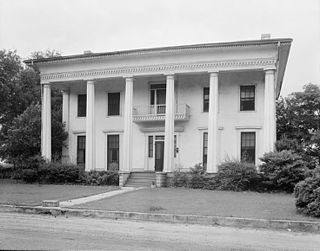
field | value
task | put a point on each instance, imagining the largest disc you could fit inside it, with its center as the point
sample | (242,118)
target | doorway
(159,153)
(158,98)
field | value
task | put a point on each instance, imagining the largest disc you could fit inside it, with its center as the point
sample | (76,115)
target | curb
(297,226)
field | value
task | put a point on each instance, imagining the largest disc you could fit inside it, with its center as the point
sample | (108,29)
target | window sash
(113,104)
(113,149)
(150,148)
(81,149)
(248,146)
(206,93)
(247,98)
(82,105)
(205,149)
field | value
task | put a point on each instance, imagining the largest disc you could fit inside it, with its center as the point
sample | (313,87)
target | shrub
(282,170)
(179,179)
(197,178)
(307,194)
(101,178)
(57,173)
(237,176)
(29,175)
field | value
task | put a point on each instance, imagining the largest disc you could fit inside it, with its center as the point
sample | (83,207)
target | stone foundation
(123,177)
(161,179)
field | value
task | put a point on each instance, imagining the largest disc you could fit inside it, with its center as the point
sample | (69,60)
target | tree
(23,139)
(298,122)
(19,90)
(299,113)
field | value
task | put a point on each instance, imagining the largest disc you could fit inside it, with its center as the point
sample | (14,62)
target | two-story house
(156,110)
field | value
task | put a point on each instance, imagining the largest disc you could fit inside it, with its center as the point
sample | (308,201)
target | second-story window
(247,98)
(82,105)
(114,104)
(206,99)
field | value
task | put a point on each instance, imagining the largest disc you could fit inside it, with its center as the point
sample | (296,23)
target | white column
(169,126)
(127,136)
(46,123)
(65,120)
(269,124)
(212,162)
(90,128)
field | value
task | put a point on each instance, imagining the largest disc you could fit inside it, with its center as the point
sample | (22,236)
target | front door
(159,153)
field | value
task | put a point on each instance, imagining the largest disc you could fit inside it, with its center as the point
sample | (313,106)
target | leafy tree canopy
(298,122)
(20,89)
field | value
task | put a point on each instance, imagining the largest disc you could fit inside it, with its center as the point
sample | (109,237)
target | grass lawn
(203,202)
(33,194)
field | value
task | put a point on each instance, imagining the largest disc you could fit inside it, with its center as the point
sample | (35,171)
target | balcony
(151,113)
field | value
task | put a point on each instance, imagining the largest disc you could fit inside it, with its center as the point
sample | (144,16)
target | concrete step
(141,179)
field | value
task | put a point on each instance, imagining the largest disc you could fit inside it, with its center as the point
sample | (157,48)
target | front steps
(141,179)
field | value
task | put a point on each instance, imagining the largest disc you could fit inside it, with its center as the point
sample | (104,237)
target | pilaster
(269,124)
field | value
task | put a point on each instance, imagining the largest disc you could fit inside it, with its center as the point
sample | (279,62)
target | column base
(123,177)
(161,179)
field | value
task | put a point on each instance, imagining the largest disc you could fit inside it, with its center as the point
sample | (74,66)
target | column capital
(90,82)
(128,78)
(269,70)
(216,72)
(67,91)
(169,76)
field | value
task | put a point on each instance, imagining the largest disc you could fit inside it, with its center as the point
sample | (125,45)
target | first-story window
(205,149)
(114,104)
(113,152)
(81,150)
(150,146)
(248,147)
(82,105)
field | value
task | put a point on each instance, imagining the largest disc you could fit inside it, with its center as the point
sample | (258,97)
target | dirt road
(22,231)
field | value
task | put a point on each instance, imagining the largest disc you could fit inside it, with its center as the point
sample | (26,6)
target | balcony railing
(145,113)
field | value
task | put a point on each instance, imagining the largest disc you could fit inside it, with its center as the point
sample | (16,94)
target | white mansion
(160,109)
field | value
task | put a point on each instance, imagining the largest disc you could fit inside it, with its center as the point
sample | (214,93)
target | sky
(74,26)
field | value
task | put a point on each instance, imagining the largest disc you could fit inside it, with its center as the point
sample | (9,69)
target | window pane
(248,146)
(82,105)
(113,151)
(81,149)
(113,104)
(206,99)
(205,149)
(150,144)
(247,98)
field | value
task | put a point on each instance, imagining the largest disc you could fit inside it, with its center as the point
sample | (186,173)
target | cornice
(257,63)
(159,50)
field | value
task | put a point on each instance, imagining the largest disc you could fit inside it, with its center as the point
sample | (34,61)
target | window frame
(254,97)
(255,144)
(204,163)
(108,157)
(78,105)
(84,149)
(108,110)
(204,101)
